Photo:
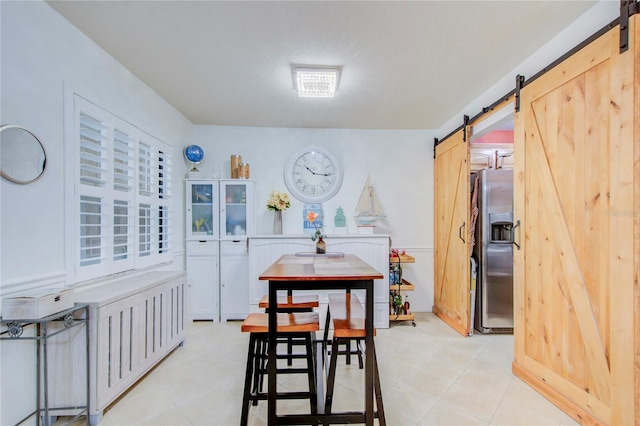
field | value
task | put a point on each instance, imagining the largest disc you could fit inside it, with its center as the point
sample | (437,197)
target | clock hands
(319,174)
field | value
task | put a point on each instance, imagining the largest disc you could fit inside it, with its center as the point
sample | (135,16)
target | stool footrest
(282,395)
(285,371)
(291,356)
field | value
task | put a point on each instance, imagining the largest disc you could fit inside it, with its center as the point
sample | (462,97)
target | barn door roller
(627,9)
(519,86)
(465,124)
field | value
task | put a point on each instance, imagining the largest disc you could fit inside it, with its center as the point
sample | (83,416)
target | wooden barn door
(574,195)
(451,284)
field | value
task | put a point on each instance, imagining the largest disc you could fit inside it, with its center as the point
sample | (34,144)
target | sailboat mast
(371,200)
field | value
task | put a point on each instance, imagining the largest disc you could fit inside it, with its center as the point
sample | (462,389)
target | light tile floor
(429,374)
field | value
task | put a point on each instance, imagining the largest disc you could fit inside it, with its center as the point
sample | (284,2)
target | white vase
(277,222)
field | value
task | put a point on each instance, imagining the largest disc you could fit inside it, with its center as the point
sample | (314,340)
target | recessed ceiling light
(316,82)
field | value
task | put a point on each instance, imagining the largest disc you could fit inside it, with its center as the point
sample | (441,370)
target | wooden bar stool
(347,342)
(348,325)
(300,326)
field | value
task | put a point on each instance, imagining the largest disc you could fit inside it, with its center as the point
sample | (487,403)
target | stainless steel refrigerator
(493,250)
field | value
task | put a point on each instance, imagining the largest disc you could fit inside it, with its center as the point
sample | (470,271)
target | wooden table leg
(369,360)
(271,367)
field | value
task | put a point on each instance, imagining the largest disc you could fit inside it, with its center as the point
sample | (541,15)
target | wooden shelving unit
(405,286)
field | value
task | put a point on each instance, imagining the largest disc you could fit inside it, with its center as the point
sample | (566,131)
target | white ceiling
(405,65)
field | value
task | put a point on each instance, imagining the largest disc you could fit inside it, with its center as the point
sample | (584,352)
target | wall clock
(313,175)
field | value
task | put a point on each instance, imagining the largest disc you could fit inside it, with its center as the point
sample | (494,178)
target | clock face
(313,175)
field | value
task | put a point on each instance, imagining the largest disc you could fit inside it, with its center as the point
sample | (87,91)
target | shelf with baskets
(399,310)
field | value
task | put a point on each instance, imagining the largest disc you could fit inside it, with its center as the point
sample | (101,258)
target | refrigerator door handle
(460,232)
(514,234)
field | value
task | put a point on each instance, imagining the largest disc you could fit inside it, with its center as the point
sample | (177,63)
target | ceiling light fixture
(316,81)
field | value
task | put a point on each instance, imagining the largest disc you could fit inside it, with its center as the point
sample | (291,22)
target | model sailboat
(368,209)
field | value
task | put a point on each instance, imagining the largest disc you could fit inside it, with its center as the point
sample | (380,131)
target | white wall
(40,54)
(401,167)
(600,15)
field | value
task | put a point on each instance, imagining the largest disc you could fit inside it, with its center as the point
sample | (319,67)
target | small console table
(45,329)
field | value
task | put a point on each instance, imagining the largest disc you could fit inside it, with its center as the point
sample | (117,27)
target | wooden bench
(300,326)
(348,316)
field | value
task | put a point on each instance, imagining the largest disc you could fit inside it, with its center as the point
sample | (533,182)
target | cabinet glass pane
(202,209)
(235,219)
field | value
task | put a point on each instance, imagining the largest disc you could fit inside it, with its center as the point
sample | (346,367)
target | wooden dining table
(332,271)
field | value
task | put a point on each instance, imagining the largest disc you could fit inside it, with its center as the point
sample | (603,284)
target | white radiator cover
(134,323)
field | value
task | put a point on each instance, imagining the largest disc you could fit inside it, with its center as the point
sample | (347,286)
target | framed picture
(309,227)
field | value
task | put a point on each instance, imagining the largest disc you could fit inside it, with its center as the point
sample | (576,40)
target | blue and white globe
(194,154)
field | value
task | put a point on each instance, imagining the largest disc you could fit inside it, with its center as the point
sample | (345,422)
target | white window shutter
(93,136)
(164,228)
(144,230)
(164,173)
(92,230)
(123,161)
(145,165)
(165,168)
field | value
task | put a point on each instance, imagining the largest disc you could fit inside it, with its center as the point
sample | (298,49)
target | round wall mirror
(22,156)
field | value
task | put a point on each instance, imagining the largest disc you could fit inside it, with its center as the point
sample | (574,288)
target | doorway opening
(491,161)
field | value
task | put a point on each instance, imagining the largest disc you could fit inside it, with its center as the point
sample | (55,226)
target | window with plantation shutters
(121,197)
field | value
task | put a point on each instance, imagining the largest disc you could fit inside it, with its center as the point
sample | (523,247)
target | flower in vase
(311,218)
(278,201)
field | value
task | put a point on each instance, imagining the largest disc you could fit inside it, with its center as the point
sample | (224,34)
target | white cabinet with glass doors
(236,209)
(202,218)
(219,217)
(202,210)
